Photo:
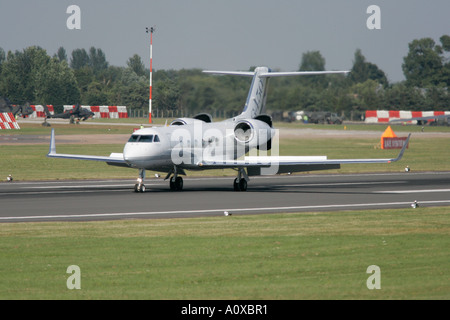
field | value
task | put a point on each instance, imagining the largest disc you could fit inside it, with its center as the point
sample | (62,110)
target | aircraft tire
(176,184)
(243,185)
(236,185)
(179,183)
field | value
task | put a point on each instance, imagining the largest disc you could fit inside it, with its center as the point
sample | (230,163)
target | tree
(363,71)
(368,95)
(55,84)
(135,63)
(84,76)
(61,54)
(313,61)
(402,97)
(130,90)
(423,66)
(79,59)
(19,71)
(445,41)
(167,95)
(95,95)
(97,60)
(2,58)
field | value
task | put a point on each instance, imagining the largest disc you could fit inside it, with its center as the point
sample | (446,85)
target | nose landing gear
(139,186)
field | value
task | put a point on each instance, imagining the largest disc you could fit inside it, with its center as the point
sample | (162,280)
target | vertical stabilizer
(256,99)
(257,95)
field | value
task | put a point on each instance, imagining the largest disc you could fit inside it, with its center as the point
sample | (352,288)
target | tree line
(86,77)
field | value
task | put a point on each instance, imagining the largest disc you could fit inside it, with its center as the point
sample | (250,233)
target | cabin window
(144,138)
(133,138)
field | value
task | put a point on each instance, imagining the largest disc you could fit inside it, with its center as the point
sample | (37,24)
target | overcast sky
(228,34)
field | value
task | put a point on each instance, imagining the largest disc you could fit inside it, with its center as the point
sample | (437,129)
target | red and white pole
(150,90)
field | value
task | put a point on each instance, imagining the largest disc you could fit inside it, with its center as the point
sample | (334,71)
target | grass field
(29,162)
(280,256)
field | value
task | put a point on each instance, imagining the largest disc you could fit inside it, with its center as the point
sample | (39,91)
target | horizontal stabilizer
(299,73)
(275,74)
(233,73)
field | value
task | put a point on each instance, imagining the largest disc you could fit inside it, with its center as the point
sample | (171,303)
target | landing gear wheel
(241,185)
(176,184)
(236,185)
(139,188)
(179,183)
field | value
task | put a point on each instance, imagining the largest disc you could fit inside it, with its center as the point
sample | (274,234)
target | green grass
(422,154)
(281,256)
(29,162)
(66,129)
(379,127)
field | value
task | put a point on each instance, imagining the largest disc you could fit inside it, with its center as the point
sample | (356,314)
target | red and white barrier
(385,116)
(112,112)
(7,121)
(39,111)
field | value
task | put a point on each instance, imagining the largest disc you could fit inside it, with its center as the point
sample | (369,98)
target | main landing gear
(240,183)
(175,182)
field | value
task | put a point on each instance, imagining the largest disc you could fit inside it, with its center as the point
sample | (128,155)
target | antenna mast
(151,29)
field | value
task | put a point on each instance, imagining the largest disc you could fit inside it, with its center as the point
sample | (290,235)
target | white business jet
(198,143)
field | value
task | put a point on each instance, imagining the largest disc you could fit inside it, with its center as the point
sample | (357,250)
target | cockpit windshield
(144,138)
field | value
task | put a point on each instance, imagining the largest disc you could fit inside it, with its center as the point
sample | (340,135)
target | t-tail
(257,95)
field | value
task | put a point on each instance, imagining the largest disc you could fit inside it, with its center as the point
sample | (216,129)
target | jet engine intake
(252,133)
(185,121)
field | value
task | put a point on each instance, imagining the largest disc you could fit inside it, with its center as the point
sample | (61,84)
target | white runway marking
(233,210)
(414,191)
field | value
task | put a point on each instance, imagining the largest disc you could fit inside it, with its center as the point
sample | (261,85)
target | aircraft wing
(293,164)
(443,116)
(115,159)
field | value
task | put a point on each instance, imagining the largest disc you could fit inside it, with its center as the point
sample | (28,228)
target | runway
(115,199)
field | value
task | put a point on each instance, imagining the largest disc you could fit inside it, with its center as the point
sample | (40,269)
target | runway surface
(115,199)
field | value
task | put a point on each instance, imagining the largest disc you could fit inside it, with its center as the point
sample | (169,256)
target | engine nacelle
(199,118)
(252,133)
(185,121)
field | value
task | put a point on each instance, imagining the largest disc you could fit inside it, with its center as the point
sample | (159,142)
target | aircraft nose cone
(130,153)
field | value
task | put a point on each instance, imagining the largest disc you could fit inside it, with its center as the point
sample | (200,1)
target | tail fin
(257,95)
(256,99)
